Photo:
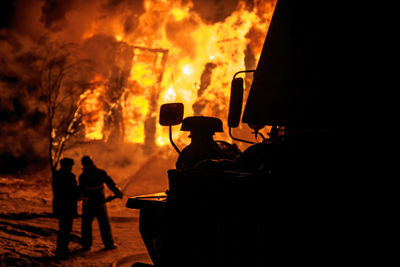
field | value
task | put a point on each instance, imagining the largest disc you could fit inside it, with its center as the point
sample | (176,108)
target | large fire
(178,58)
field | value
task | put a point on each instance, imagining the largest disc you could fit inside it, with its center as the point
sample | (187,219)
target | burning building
(136,54)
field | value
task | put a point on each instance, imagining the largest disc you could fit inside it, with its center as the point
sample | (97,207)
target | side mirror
(236,102)
(235,105)
(171,114)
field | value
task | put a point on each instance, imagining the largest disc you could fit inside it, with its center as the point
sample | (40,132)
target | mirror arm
(230,128)
(257,133)
(242,71)
(237,139)
(172,142)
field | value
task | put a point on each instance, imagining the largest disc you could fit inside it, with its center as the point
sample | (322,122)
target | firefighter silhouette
(202,146)
(91,184)
(65,204)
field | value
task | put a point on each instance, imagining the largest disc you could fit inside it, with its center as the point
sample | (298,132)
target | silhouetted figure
(65,201)
(202,146)
(91,184)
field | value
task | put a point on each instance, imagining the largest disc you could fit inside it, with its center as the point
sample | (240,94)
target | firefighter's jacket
(91,183)
(66,193)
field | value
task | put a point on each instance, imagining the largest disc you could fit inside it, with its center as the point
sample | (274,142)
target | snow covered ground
(28,232)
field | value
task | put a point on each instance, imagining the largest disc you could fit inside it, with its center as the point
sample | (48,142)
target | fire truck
(283,200)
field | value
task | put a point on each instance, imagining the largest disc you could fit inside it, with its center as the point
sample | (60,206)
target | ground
(28,231)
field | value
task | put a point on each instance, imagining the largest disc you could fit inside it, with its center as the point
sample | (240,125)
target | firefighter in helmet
(91,184)
(202,146)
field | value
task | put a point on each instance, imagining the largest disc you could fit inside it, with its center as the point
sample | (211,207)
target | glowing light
(93,114)
(170,94)
(118,37)
(178,14)
(187,70)
(162,140)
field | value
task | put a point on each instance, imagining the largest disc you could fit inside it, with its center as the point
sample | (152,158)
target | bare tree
(61,86)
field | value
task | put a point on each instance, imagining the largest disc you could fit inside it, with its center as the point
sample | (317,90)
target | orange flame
(93,114)
(181,60)
(135,107)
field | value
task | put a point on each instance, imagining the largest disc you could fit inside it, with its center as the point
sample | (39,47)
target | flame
(177,57)
(93,114)
(135,109)
(179,14)
(187,70)
(169,95)
(143,74)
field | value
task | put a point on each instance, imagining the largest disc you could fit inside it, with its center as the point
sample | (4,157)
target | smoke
(212,11)
(22,127)
(101,34)
(54,12)
(106,54)
(179,34)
